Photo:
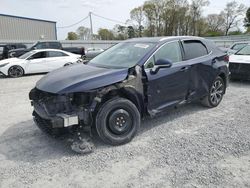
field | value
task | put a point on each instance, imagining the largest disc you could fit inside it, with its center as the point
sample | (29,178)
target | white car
(239,64)
(37,61)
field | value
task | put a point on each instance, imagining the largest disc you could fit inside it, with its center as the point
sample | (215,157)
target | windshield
(122,55)
(244,51)
(26,55)
(239,46)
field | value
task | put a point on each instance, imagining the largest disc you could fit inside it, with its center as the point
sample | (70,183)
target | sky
(67,12)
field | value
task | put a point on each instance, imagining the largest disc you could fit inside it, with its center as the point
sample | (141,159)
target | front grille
(239,68)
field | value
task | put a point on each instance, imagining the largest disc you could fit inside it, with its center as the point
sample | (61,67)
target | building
(20,28)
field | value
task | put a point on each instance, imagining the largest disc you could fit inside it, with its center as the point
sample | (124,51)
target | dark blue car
(133,79)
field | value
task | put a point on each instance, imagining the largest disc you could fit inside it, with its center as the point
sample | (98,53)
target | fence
(223,41)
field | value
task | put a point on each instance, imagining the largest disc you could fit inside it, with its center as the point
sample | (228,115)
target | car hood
(80,78)
(10,60)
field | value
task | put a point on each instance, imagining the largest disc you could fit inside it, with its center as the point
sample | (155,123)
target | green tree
(84,33)
(131,32)
(247,20)
(72,36)
(106,34)
(137,15)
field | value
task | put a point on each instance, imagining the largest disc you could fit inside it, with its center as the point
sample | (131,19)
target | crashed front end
(62,111)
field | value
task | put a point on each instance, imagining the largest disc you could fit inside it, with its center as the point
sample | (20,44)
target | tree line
(171,18)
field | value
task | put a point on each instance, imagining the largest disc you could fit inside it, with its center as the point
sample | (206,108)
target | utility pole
(91,25)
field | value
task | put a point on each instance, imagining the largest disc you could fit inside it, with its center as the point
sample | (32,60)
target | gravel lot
(188,147)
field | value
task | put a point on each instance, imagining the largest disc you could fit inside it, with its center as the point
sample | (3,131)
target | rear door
(168,86)
(203,67)
(56,59)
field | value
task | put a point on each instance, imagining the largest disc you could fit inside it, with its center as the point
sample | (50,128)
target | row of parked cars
(44,56)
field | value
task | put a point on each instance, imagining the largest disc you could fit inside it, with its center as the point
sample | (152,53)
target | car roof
(163,39)
(45,50)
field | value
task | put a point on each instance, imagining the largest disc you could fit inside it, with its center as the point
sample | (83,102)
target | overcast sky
(67,12)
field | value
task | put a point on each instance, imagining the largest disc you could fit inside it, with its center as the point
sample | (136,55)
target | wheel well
(223,76)
(127,94)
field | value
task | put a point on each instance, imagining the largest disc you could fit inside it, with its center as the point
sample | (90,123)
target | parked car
(93,52)
(132,79)
(240,64)
(5,48)
(37,61)
(45,45)
(237,46)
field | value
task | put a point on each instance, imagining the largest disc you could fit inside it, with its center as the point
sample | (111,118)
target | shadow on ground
(25,142)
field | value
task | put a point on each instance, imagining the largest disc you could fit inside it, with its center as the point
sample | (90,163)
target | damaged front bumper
(61,111)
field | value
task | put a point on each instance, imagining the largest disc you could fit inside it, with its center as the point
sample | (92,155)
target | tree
(84,33)
(215,22)
(195,10)
(106,34)
(72,36)
(232,15)
(137,15)
(131,32)
(247,20)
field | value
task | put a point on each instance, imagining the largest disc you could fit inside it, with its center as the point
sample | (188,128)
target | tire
(46,127)
(15,71)
(117,121)
(216,92)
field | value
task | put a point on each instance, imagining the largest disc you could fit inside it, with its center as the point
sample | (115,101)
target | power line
(112,20)
(63,27)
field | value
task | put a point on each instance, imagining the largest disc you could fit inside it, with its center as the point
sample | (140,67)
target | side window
(38,55)
(170,51)
(41,45)
(54,45)
(194,49)
(56,54)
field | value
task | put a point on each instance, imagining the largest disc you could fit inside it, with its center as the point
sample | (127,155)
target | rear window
(56,54)
(194,49)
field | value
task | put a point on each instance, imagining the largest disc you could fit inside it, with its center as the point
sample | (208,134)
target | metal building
(21,28)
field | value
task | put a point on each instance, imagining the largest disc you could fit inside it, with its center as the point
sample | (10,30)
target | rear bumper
(239,71)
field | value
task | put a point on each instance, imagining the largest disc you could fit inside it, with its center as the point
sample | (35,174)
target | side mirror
(161,64)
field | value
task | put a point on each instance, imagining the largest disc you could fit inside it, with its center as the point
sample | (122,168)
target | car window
(239,46)
(170,51)
(54,45)
(38,55)
(56,54)
(194,49)
(244,51)
(40,45)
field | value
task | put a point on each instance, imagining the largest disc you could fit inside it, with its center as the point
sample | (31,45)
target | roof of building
(27,18)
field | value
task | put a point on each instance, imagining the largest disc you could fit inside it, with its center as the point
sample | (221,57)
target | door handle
(184,69)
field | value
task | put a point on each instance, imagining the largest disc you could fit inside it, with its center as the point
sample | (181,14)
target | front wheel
(216,93)
(15,71)
(117,121)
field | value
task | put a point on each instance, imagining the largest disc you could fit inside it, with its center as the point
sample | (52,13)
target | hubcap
(119,122)
(15,71)
(217,92)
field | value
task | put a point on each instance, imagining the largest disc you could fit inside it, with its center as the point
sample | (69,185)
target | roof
(161,39)
(44,50)
(34,19)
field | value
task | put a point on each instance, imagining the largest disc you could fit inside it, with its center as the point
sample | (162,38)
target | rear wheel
(216,93)
(15,71)
(117,121)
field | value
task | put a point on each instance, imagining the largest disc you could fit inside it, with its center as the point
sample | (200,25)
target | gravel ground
(188,147)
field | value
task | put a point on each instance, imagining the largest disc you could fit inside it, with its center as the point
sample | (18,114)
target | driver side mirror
(161,64)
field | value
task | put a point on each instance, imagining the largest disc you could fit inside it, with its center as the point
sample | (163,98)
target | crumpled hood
(80,78)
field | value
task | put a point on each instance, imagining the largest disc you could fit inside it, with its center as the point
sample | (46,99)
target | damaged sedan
(133,79)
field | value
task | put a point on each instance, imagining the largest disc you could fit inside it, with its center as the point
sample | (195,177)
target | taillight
(226,58)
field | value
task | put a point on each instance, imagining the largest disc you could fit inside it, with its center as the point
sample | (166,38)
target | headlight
(4,64)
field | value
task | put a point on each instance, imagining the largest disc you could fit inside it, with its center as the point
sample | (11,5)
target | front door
(169,86)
